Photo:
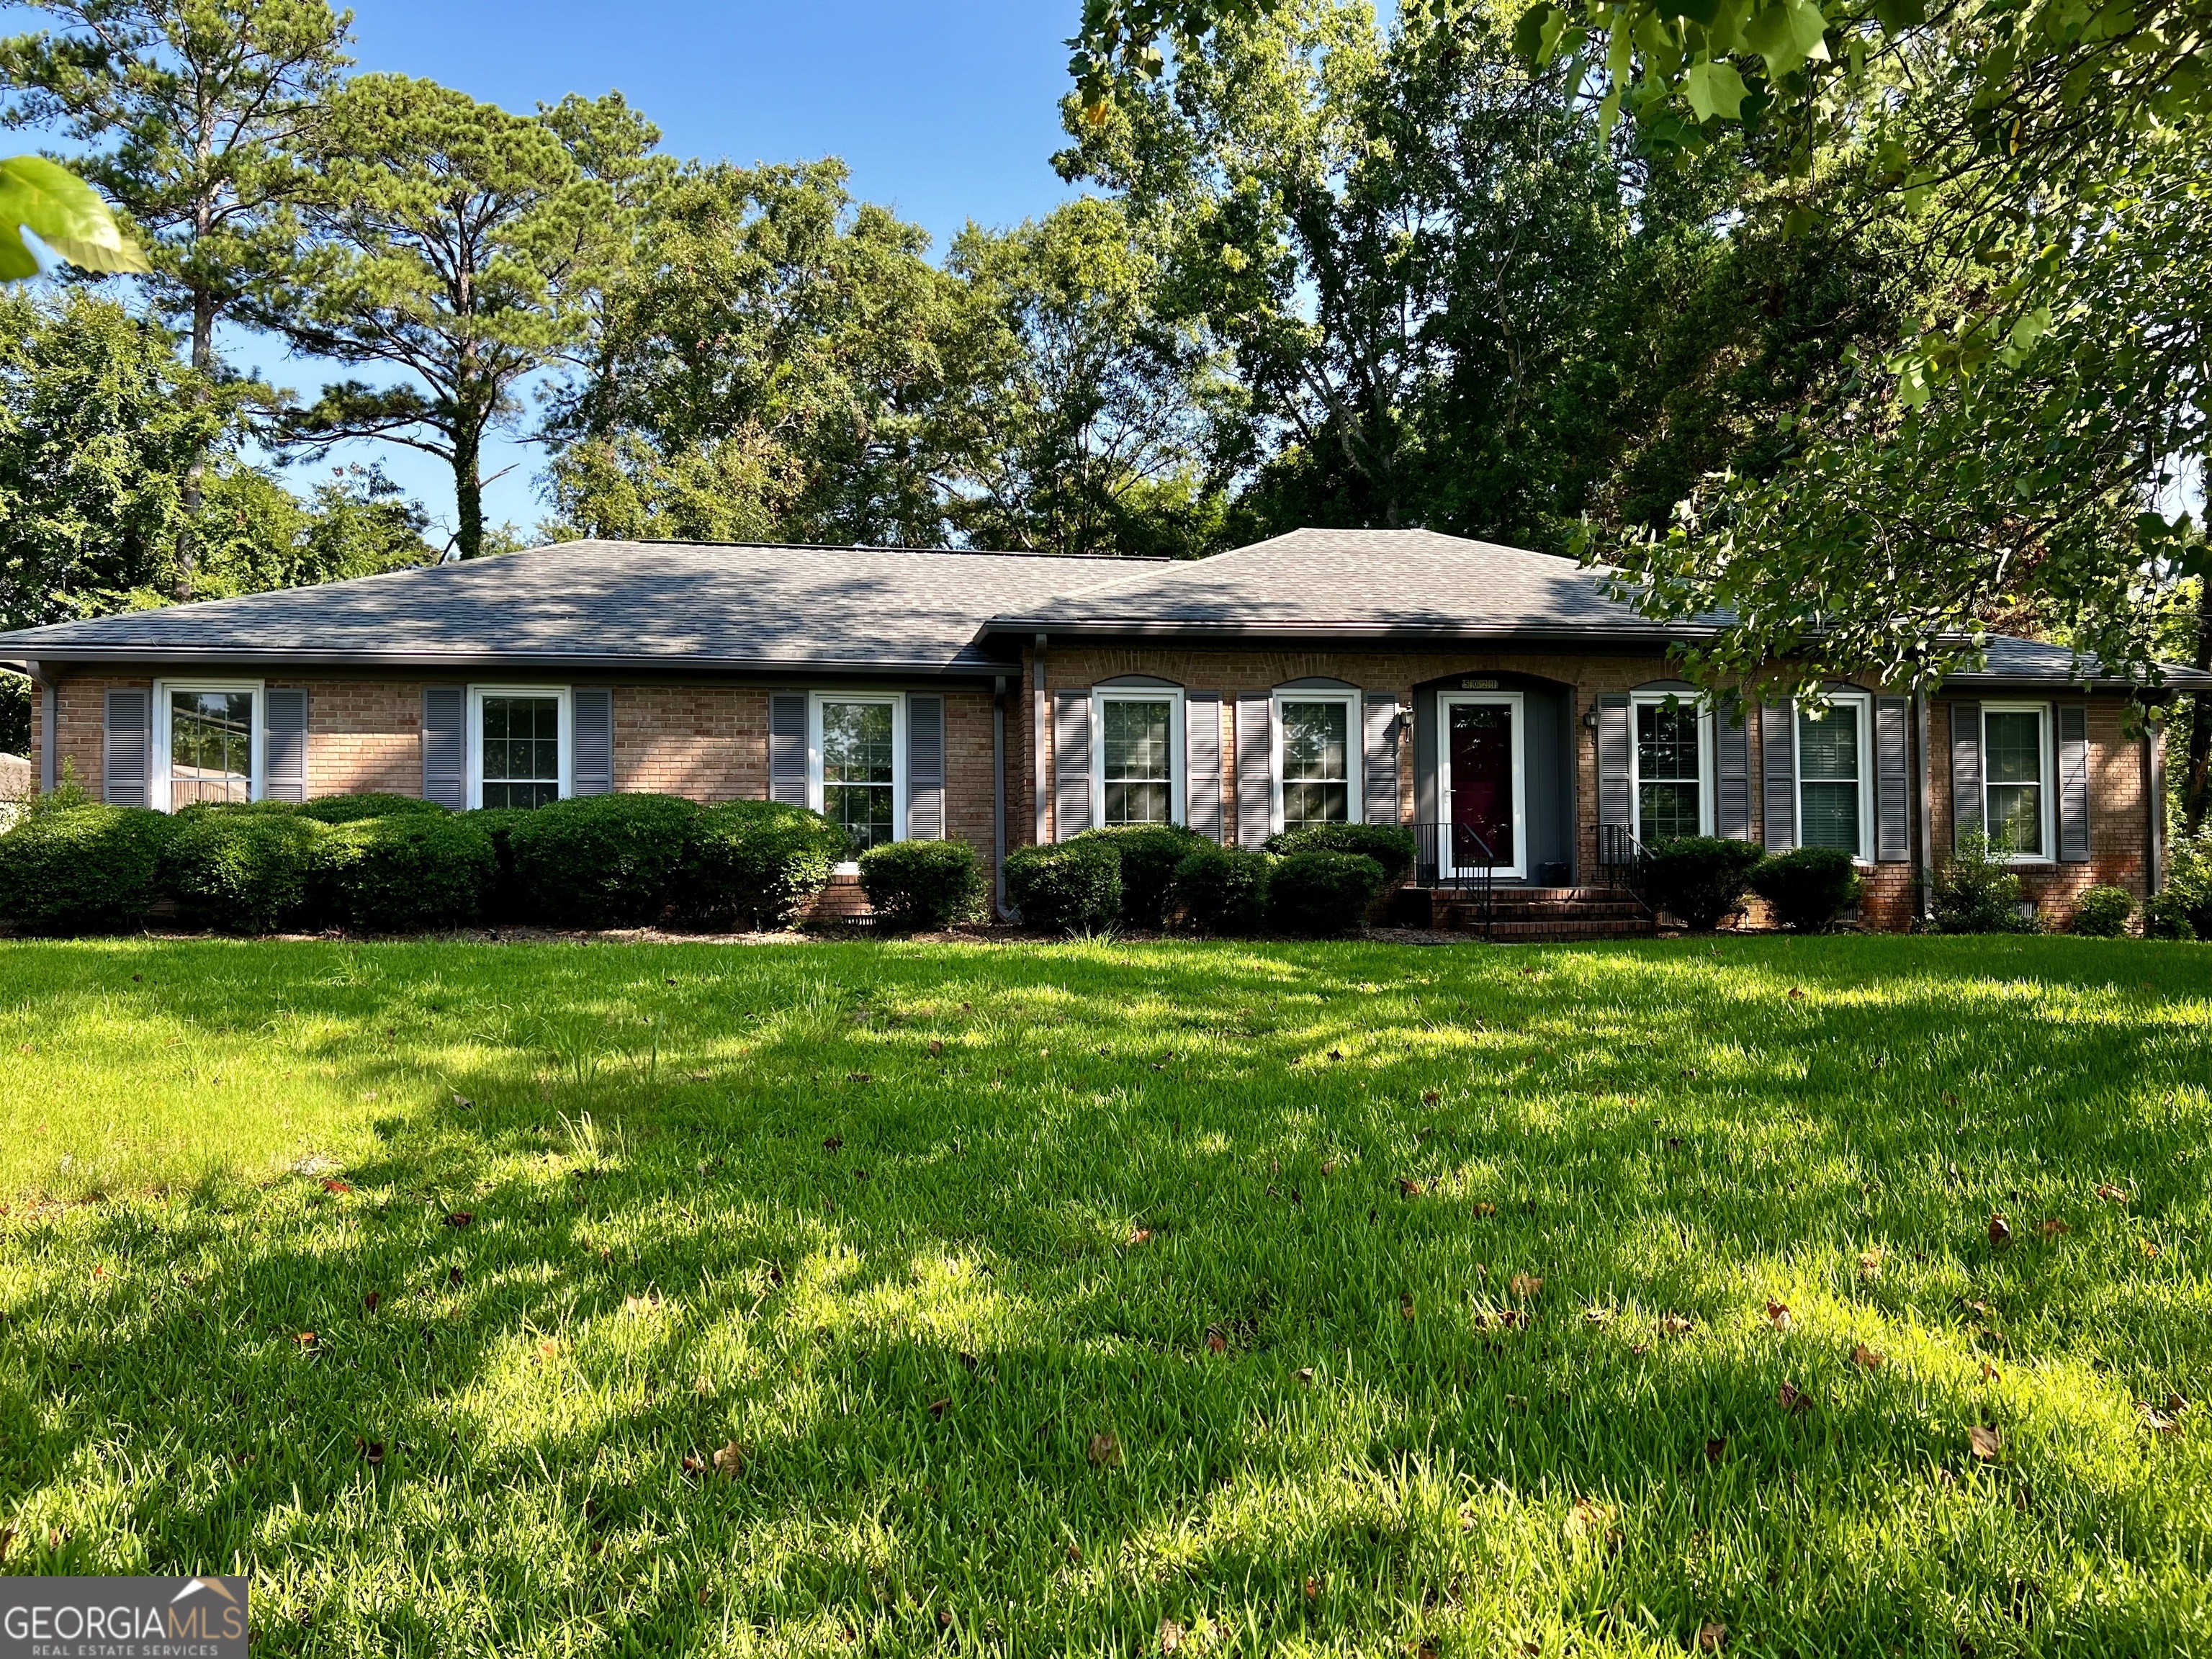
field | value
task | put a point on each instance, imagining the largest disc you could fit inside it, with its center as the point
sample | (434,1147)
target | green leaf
(1536,36)
(1608,115)
(1714,89)
(1786,33)
(64,213)
(1896,16)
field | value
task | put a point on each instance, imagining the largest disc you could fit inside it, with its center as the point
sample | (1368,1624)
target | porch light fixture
(1589,719)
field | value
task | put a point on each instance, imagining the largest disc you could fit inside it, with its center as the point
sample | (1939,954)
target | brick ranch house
(1491,698)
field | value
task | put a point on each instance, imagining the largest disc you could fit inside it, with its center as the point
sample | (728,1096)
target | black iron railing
(1620,855)
(1455,855)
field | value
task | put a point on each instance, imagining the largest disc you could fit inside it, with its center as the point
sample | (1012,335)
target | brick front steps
(1526,915)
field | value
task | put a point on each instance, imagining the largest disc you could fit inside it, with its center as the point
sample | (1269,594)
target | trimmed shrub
(1068,887)
(2102,912)
(2187,894)
(245,869)
(1699,878)
(81,869)
(920,885)
(1977,892)
(407,872)
(1149,854)
(599,860)
(1806,889)
(1322,894)
(1222,890)
(1387,844)
(754,863)
(2167,916)
(502,900)
(350,809)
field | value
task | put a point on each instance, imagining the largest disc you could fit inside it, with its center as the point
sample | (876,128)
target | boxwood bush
(1387,844)
(2102,912)
(1806,889)
(1699,878)
(754,863)
(82,869)
(1322,894)
(599,860)
(502,900)
(1977,891)
(920,885)
(406,872)
(348,809)
(1149,854)
(245,869)
(1222,890)
(1067,887)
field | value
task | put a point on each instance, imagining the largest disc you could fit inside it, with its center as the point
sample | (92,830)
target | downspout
(1036,739)
(998,799)
(1923,783)
(2154,789)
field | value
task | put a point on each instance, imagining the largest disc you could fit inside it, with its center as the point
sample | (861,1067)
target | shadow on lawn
(1018,1245)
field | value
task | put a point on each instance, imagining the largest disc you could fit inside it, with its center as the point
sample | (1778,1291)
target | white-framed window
(1671,765)
(1835,774)
(1317,755)
(856,763)
(1138,755)
(519,742)
(2016,793)
(206,742)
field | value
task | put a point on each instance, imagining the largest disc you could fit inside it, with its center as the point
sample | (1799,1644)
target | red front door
(1481,747)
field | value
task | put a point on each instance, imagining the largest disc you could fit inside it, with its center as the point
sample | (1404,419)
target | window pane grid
(1669,772)
(2012,751)
(1136,760)
(211,746)
(1316,763)
(521,758)
(1828,778)
(858,758)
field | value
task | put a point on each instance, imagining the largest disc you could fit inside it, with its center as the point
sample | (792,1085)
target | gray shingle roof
(580,603)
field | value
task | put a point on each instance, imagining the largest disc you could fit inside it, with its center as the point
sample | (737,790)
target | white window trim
(2046,775)
(1862,705)
(1707,778)
(1177,784)
(896,701)
(475,737)
(158,751)
(1355,746)
(1446,702)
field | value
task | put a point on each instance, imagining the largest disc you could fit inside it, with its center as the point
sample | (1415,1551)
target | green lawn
(1116,1298)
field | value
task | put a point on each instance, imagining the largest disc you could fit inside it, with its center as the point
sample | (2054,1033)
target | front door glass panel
(1480,735)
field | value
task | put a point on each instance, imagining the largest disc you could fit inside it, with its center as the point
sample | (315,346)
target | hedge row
(391,864)
(1316,881)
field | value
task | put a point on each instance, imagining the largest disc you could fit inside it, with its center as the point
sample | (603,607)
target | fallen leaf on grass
(1336,1053)
(1797,993)
(454,1275)
(2157,1421)
(1676,1324)
(1305,1374)
(859,1076)
(332,1184)
(1868,1357)
(1405,1305)
(2151,1251)
(706,1595)
(730,1462)
(1716,1449)
(936,1048)
(1712,1637)
(1215,1342)
(1105,1452)
(833,1143)
(693,1464)
(1792,1398)
(370,1301)
(306,1340)
(1591,1519)
(1313,1590)
(2000,1231)
(1408,1187)
(1984,1442)
(939,1407)
(1171,1636)
(1328,1166)
(641,1306)
(549,1349)
(463,1101)
(8,1534)
(1990,1374)
(1778,1314)
(1599,1316)
(459,1218)
(1482,1211)
(1140,1235)
(2111,1194)
(1525,1288)
(2051,1229)
(372,1451)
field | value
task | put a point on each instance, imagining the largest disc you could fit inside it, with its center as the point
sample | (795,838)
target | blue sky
(946,110)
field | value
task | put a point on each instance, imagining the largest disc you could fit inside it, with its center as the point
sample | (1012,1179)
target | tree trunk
(468,493)
(2196,782)
(194,492)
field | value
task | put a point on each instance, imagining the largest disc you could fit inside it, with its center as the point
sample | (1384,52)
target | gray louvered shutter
(925,766)
(1378,765)
(592,745)
(786,747)
(2073,783)
(1201,762)
(124,748)
(1732,773)
(1778,766)
(1071,764)
(445,771)
(1616,795)
(285,743)
(1965,770)
(1255,768)
(1893,780)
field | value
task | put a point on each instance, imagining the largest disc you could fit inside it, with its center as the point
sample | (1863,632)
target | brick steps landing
(1529,915)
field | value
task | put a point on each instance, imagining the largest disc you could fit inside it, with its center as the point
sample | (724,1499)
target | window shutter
(1777,765)
(1965,770)
(786,747)
(592,744)
(123,749)
(2073,782)
(284,743)
(925,766)
(1071,764)
(1378,765)
(1616,798)
(1732,773)
(1255,766)
(1892,782)
(1201,762)
(445,770)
